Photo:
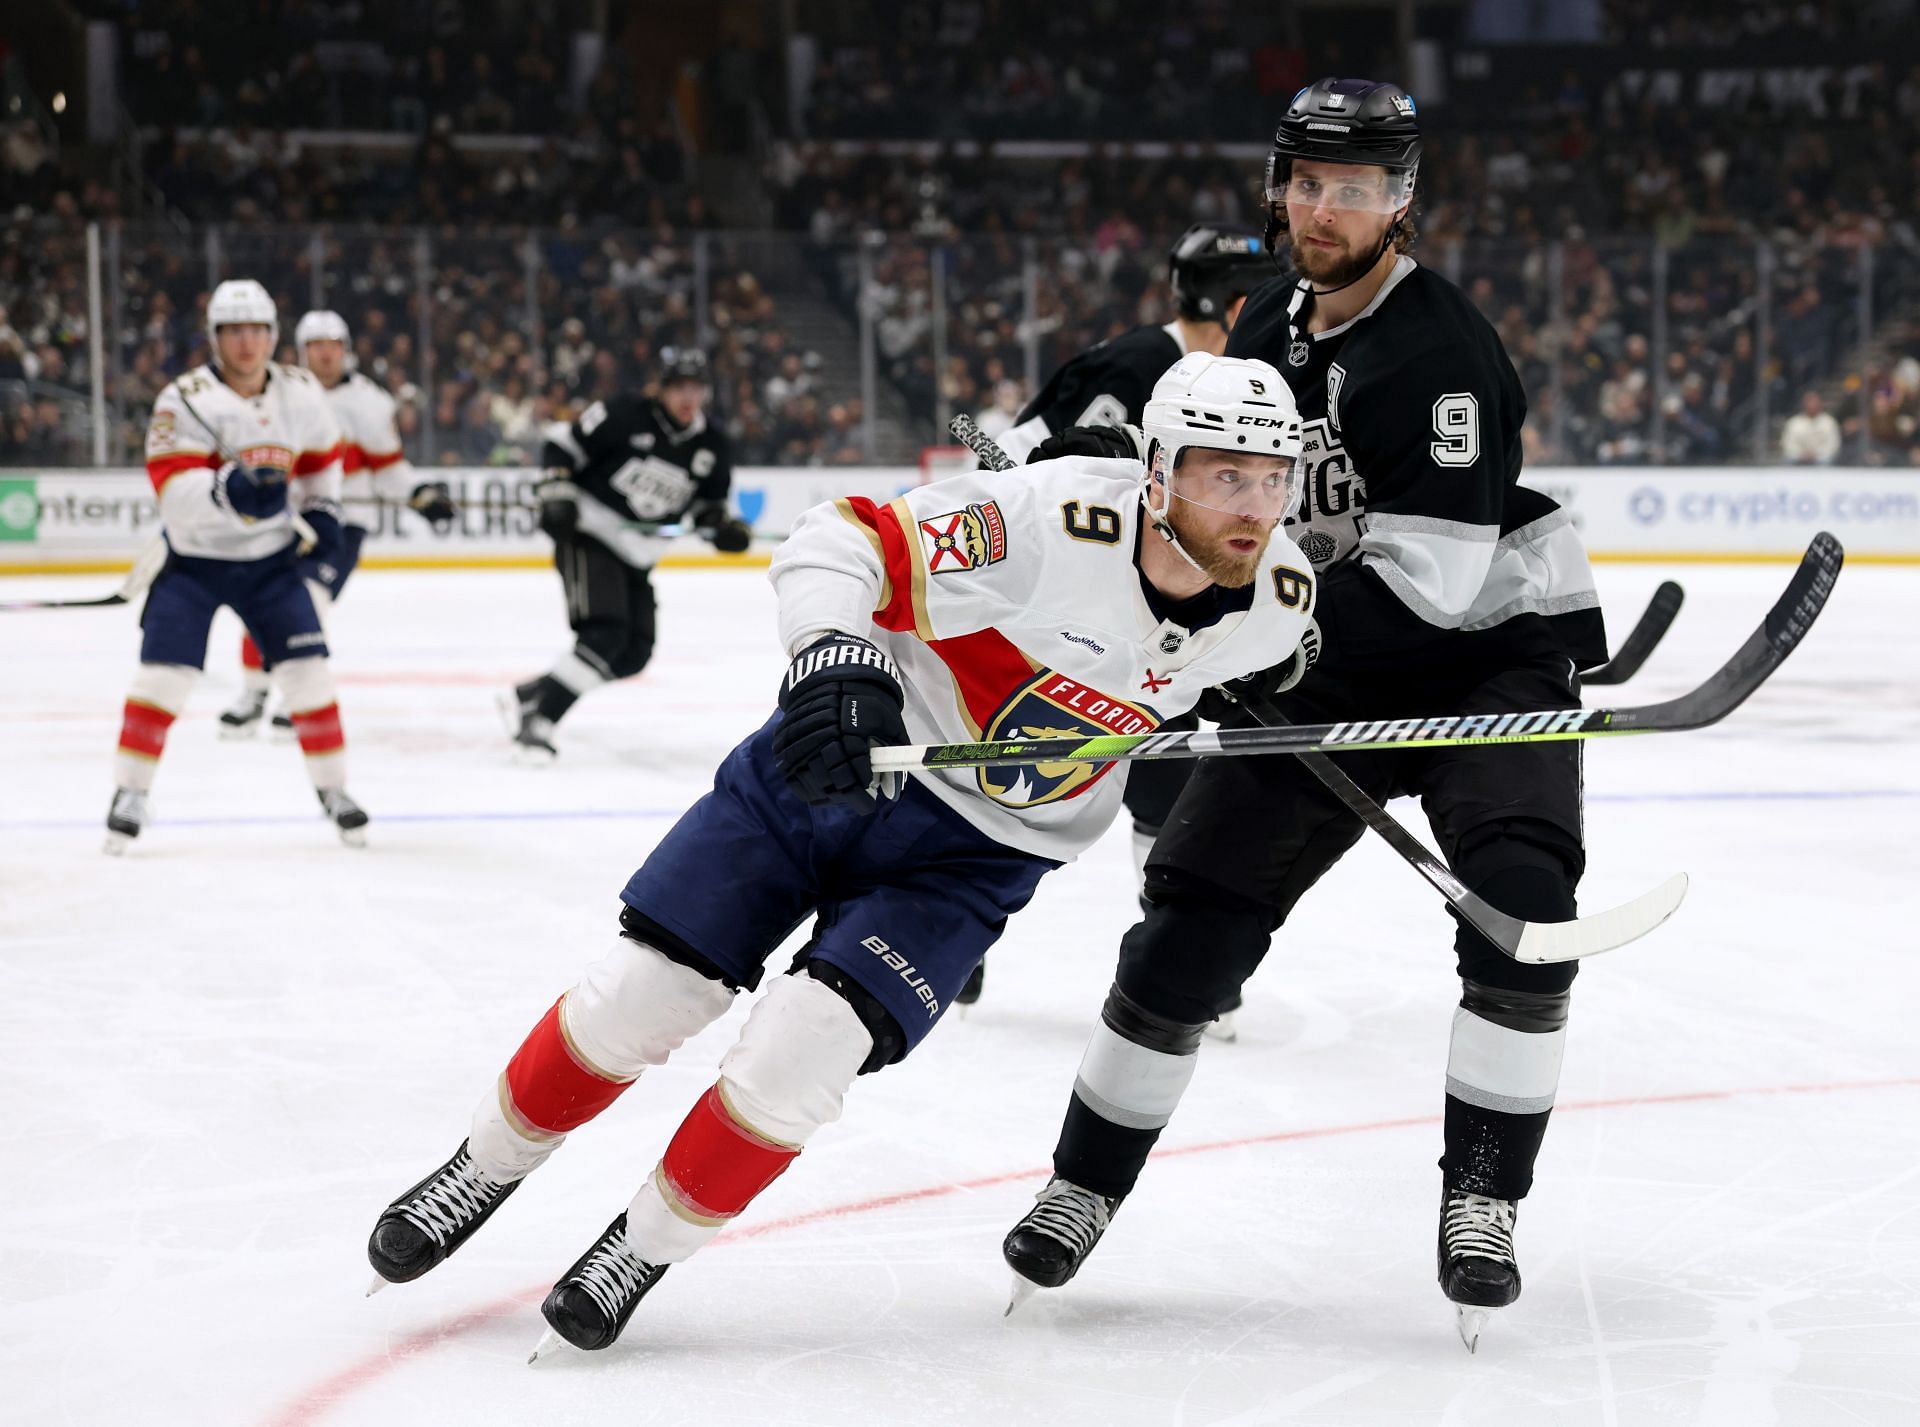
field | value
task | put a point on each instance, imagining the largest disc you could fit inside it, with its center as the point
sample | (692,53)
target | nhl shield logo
(1297,355)
(1170,642)
(1054,706)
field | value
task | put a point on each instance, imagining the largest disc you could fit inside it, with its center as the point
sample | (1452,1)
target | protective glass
(1231,482)
(1355,188)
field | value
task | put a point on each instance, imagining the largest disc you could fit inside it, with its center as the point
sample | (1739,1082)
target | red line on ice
(317,1401)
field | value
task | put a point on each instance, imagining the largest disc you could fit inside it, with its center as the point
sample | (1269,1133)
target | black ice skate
(531,731)
(345,814)
(126,815)
(970,993)
(1048,1245)
(1477,1268)
(427,1223)
(283,729)
(593,1300)
(243,719)
(1223,1027)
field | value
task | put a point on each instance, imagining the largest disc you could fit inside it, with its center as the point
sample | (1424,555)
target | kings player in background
(235,449)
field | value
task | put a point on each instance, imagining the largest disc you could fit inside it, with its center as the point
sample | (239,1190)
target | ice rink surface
(224,1053)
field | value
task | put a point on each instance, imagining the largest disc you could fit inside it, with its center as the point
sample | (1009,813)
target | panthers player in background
(234,449)
(1021,603)
(614,477)
(1444,587)
(1210,271)
(375,471)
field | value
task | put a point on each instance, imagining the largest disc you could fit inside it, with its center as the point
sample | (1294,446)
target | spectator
(1811,436)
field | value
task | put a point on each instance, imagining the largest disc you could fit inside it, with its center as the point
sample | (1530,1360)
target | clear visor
(1265,490)
(1362,189)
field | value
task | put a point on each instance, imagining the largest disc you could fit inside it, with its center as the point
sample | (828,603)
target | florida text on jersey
(1012,604)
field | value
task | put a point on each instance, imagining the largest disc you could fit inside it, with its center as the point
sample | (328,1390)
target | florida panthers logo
(1054,706)
(969,539)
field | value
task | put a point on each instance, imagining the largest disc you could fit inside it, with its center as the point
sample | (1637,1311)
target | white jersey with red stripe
(371,459)
(289,426)
(1012,604)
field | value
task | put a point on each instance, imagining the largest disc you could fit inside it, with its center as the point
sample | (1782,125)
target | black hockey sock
(1097,1154)
(551,698)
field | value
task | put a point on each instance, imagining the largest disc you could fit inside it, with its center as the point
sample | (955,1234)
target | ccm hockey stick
(1522,940)
(1651,629)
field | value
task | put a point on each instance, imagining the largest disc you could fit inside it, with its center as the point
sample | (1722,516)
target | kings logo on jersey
(1053,706)
(960,540)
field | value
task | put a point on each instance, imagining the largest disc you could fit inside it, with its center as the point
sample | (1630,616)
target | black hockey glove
(719,528)
(250,492)
(559,505)
(434,502)
(841,698)
(1223,704)
(1124,442)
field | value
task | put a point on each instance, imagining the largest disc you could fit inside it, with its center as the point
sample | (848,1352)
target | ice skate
(1052,1240)
(970,993)
(532,733)
(423,1226)
(242,720)
(1477,1267)
(346,815)
(593,1300)
(125,817)
(1222,1027)
(283,729)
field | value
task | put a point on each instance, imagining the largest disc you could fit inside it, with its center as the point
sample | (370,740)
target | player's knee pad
(306,683)
(1197,944)
(789,1072)
(1137,1064)
(1528,871)
(603,644)
(633,654)
(889,1041)
(165,686)
(635,1006)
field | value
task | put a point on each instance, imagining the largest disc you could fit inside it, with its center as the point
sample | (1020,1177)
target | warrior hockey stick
(1522,940)
(1651,629)
(138,578)
(1779,634)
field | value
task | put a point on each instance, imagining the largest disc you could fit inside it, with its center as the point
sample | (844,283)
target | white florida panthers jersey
(289,427)
(372,463)
(1012,604)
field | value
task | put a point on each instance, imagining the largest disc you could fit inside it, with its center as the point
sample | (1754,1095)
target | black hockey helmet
(1346,121)
(1211,266)
(683,364)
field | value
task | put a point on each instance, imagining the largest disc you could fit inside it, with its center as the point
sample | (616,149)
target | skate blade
(116,844)
(529,757)
(549,1340)
(1470,1320)
(377,1284)
(1023,1289)
(238,733)
(284,733)
(354,836)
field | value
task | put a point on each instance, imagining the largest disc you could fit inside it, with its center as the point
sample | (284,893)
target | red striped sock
(320,731)
(250,653)
(552,1088)
(716,1165)
(143,729)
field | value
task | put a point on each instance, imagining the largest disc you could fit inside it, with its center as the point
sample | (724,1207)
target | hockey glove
(1109,442)
(559,505)
(250,492)
(434,502)
(841,698)
(719,528)
(334,556)
(1223,704)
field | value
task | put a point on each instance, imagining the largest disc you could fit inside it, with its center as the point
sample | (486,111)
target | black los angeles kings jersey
(1430,553)
(1106,385)
(636,470)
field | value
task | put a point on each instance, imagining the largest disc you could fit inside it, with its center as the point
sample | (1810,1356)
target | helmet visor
(1266,488)
(1351,188)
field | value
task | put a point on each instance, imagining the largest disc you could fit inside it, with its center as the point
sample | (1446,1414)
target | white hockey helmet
(240,300)
(320,325)
(1226,404)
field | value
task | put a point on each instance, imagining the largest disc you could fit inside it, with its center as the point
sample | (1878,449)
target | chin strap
(1162,526)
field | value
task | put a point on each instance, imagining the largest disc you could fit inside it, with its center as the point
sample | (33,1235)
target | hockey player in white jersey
(375,472)
(234,449)
(1066,598)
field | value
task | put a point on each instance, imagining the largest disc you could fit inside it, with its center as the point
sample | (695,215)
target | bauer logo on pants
(1054,706)
(969,539)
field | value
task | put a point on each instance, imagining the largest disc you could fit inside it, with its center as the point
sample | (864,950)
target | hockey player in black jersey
(1210,271)
(619,477)
(1443,585)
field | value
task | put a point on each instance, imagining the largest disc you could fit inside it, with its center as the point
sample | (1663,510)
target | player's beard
(1222,564)
(1331,269)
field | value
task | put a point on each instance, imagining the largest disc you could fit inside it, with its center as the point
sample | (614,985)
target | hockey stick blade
(146,565)
(1647,634)
(11,606)
(1534,942)
(1786,624)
